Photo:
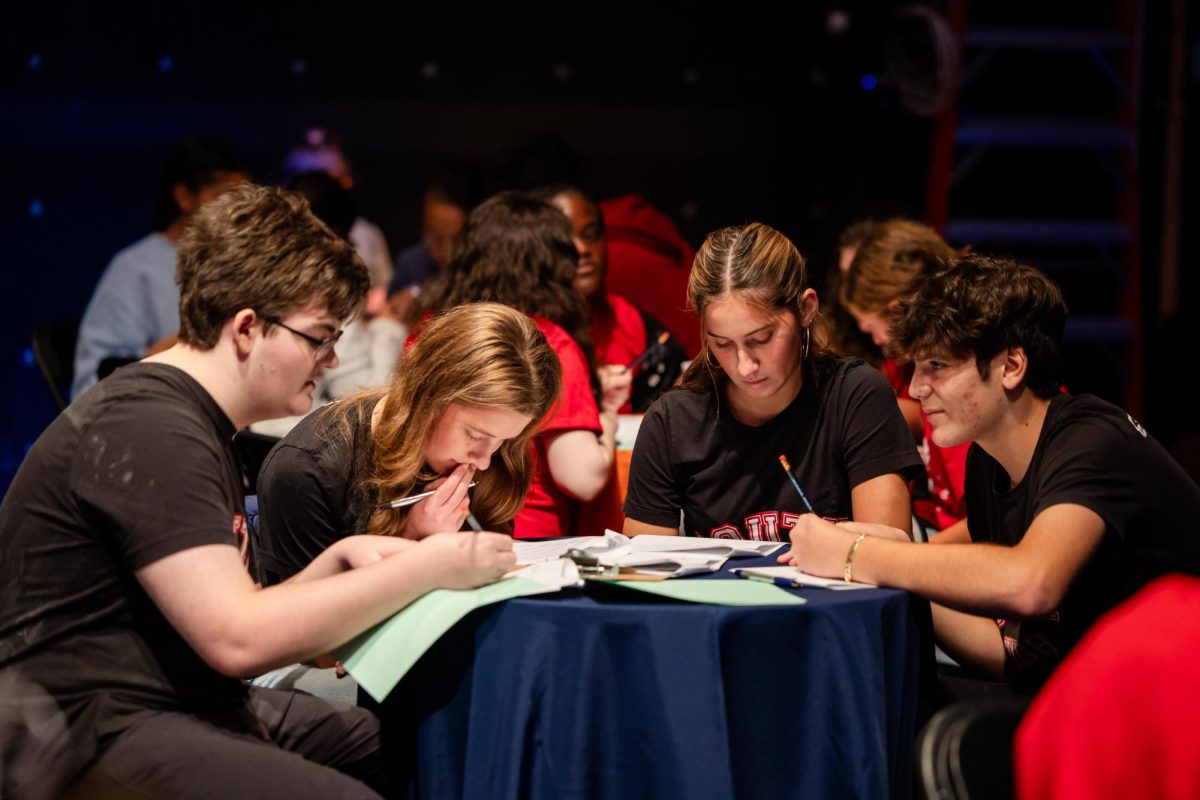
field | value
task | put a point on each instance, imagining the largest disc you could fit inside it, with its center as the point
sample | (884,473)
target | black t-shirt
(843,429)
(309,492)
(139,468)
(1089,453)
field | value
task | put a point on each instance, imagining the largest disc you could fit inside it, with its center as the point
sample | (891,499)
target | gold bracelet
(847,574)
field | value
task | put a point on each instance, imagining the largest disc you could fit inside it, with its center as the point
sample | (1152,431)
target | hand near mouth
(446,509)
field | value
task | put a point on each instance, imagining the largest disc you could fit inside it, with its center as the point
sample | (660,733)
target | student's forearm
(972,641)
(341,556)
(581,462)
(955,534)
(298,621)
(240,630)
(974,578)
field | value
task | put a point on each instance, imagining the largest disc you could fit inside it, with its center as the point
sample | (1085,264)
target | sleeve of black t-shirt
(653,496)
(1087,463)
(875,438)
(155,480)
(297,518)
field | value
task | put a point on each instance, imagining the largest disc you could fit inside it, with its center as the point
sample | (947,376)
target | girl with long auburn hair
(462,406)
(763,387)
(892,263)
(518,250)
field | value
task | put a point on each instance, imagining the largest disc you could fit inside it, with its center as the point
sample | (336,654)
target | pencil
(662,337)
(788,469)
(401,502)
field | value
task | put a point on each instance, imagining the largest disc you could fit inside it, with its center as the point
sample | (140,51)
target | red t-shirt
(618,334)
(548,510)
(1118,717)
(649,261)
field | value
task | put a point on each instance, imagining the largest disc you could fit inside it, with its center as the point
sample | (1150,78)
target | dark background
(718,114)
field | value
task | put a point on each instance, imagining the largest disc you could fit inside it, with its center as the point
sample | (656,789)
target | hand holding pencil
(445,509)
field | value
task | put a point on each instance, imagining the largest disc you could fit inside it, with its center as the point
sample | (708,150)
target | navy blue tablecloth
(607,693)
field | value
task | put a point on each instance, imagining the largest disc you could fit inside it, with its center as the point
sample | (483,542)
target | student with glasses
(124,589)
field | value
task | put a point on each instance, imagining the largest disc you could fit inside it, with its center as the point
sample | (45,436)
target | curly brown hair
(980,306)
(260,247)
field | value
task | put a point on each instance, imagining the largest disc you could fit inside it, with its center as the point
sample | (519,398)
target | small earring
(807,341)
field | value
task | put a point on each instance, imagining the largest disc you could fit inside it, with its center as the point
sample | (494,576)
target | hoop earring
(807,342)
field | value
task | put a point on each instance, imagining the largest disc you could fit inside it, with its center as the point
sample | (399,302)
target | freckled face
(466,434)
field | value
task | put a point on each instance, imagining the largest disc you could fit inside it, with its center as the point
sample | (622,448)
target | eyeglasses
(321,347)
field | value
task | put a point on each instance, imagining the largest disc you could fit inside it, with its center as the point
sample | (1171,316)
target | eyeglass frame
(321,347)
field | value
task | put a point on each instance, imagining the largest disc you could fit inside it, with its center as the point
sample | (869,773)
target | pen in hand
(401,502)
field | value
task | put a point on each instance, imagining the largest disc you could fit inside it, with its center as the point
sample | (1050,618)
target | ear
(185,201)
(892,309)
(808,307)
(1013,364)
(246,331)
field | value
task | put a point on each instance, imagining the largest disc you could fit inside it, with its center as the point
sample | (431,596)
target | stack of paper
(670,556)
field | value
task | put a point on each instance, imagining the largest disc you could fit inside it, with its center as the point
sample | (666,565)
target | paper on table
(717,592)
(732,548)
(627,430)
(802,578)
(669,565)
(532,551)
(613,547)
(380,657)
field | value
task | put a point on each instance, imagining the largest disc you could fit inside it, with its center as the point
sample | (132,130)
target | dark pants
(280,744)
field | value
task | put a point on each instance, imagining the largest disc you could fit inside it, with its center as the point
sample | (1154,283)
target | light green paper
(380,657)
(721,592)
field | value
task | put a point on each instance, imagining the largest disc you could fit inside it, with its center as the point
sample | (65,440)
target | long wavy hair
(892,263)
(479,354)
(520,251)
(760,266)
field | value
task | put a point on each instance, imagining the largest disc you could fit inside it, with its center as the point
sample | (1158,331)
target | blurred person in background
(134,311)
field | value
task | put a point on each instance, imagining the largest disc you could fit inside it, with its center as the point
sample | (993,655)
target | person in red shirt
(1118,718)
(518,250)
(620,331)
(649,261)
(890,264)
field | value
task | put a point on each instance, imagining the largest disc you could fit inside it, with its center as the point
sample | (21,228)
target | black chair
(966,750)
(54,352)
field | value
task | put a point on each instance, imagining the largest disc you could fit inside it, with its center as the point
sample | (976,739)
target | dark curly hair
(520,251)
(981,306)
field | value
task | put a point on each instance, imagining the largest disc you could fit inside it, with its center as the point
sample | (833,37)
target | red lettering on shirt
(241,534)
(725,532)
(764,526)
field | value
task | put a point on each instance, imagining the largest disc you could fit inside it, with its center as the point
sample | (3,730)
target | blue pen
(788,469)
(784,583)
